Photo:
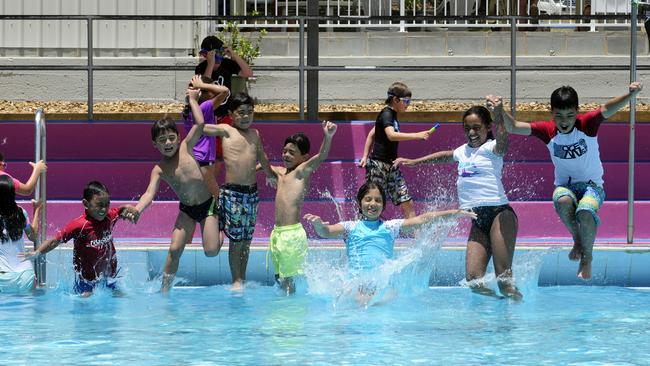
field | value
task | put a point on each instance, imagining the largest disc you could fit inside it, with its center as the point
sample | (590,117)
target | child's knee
(563,202)
(210,252)
(587,217)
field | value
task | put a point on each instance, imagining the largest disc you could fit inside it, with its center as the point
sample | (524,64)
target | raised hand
(329,128)
(636,87)
(493,102)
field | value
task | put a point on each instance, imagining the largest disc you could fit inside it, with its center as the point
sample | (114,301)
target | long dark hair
(11,216)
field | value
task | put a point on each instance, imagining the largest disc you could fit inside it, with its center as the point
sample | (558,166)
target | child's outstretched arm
(615,104)
(366,148)
(511,125)
(271,175)
(446,156)
(427,217)
(329,129)
(132,213)
(44,248)
(496,106)
(27,188)
(324,229)
(220,92)
(406,136)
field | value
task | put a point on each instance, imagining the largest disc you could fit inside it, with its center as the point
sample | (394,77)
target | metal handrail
(40,194)
(302,68)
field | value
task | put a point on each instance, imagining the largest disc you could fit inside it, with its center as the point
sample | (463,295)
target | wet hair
(210,43)
(93,189)
(484,115)
(365,188)
(564,97)
(240,99)
(2,157)
(12,219)
(187,110)
(399,90)
(161,126)
(300,140)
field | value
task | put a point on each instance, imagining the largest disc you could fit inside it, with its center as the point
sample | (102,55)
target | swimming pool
(434,326)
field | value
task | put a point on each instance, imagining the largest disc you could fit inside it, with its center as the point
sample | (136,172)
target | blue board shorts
(82,285)
(586,196)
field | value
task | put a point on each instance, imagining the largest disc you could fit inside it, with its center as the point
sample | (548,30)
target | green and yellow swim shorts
(288,249)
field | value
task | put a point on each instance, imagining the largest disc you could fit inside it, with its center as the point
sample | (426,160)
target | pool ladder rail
(40,194)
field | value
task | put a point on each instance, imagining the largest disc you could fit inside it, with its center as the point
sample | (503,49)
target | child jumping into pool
(384,138)
(27,188)
(370,241)
(494,230)
(288,244)
(572,141)
(238,198)
(211,96)
(94,255)
(180,170)
(16,276)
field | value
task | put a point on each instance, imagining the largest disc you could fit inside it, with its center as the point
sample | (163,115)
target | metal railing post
(631,158)
(40,194)
(301,67)
(89,21)
(312,60)
(513,66)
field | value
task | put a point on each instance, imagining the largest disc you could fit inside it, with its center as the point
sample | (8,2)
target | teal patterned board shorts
(390,179)
(586,196)
(238,211)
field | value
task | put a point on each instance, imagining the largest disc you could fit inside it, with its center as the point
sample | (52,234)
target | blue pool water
(434,326)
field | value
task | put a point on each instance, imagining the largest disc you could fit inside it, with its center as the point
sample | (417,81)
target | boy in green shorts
(288,239)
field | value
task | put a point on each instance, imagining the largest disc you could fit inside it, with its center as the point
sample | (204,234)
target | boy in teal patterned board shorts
(238,197)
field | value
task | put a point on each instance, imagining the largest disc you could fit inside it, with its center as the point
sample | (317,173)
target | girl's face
(372,204)
(475,131)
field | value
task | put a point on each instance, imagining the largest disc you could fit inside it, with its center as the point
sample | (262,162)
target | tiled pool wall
(611,266)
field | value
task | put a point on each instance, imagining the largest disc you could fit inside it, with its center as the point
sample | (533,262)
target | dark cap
(210,43)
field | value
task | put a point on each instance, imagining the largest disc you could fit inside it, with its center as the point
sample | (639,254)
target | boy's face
(3,166)
(243,116)
(97,207)
(564,119)
(291,156)
(401,104)
(475,131)
(167,143)
(372,204)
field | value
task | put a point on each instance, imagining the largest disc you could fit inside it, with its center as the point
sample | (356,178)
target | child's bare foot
(237,286)
(576,252)
(584,270)
(511,292)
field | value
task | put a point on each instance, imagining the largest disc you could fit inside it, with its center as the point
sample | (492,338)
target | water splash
(326,194)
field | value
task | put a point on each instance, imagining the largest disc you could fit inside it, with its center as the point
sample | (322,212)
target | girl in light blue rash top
(369,242)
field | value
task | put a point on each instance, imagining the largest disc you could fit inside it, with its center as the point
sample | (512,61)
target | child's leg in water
(476,260)
(287,284)
(211,236)
(183,226)
(503,235)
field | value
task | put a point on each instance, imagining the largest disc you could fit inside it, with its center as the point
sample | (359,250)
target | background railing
(311,67)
